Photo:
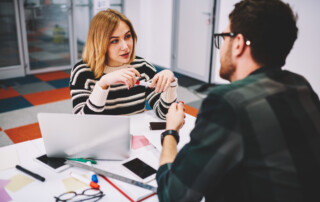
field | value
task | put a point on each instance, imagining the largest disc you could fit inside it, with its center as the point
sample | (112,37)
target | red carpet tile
(24,133)
(8,93)
(191,110)
(48,96)
(52,76)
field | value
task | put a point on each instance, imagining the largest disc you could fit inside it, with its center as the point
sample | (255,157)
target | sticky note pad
(72,184)
(139,141)
(4,196)
(3,183)
(17,182)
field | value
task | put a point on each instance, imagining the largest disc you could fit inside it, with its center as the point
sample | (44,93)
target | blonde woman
(104,82)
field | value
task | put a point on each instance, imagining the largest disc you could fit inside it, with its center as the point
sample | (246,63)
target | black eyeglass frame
(229,34)
(97,196)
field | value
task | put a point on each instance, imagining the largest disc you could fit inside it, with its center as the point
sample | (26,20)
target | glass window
(9,51)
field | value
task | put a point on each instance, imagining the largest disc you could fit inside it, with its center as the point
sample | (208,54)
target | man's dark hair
(270,25)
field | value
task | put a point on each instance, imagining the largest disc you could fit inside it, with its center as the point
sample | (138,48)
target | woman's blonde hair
(100,30)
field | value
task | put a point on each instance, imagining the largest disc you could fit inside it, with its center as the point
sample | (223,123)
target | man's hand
(161,81)
(175,120)
(175,117)
(126,76)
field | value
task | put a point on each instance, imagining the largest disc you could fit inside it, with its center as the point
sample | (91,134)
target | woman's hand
(161,81)
(127,76)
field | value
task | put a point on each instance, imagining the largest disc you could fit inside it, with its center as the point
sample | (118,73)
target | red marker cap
(94,185)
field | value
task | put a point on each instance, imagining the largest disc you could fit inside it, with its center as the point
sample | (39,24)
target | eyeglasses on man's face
(87,194)
(218,38)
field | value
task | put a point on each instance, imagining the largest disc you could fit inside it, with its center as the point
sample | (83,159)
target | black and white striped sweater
(89,98)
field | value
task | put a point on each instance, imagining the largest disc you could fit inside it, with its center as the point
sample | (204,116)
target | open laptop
(85,136)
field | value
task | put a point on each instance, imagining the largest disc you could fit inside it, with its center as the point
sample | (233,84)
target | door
(192,37)
(46,32)
(11,54)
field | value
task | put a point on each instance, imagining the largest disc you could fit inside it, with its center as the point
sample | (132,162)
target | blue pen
(94,177)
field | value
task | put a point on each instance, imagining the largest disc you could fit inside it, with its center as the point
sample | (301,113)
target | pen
(93,176)
(38,177)
(148,83)
(85,180)
(143,83)
(83,160)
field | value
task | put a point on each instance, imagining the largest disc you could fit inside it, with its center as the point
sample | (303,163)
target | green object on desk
(83,160)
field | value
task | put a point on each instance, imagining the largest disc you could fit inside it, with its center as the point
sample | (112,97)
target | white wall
(152,21)
(304,57)
(193,44)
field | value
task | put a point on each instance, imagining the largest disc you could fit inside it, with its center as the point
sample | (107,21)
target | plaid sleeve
(214,149)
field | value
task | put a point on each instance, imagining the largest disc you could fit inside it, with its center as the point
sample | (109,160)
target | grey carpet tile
(33,88)
(28,115)
(4,140)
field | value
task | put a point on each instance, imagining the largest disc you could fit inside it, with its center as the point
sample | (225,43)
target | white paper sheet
(154,135)
(8,157)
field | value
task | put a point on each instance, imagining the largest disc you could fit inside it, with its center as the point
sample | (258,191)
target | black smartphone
(55,164)
(140,169)
(157,125)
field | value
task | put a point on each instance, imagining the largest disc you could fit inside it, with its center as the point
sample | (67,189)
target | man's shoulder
(259,86)
(233,87)
(239,91)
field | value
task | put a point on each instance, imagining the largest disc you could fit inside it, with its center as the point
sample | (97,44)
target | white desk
(53,186)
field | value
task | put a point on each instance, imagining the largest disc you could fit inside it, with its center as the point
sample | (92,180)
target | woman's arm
(162,95)
(87,97)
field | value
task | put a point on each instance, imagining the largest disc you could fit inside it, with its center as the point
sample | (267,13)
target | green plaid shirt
(255,140)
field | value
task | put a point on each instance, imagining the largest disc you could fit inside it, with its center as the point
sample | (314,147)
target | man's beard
(227,68)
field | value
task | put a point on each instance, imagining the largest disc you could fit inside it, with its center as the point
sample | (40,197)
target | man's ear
(238,45)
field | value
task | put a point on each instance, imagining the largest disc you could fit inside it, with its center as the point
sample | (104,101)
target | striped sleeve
(87,97)
(159,102)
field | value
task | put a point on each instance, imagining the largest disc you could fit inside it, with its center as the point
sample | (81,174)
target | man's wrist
(170,126)
(172,133)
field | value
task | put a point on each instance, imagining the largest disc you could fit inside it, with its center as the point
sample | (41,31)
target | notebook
(104,137)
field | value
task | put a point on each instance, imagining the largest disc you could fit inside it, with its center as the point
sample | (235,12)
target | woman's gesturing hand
(161,81)
(127,76)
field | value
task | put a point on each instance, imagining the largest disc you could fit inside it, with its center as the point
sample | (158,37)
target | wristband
(174,133)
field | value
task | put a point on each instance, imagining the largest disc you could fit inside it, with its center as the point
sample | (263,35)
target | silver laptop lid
(85,136)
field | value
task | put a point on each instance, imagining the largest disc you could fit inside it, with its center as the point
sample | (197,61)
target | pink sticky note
(4,196)
(139,141)
(3,183)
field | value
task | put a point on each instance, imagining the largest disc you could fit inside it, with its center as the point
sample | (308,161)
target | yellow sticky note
(72,184)
(17,182)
